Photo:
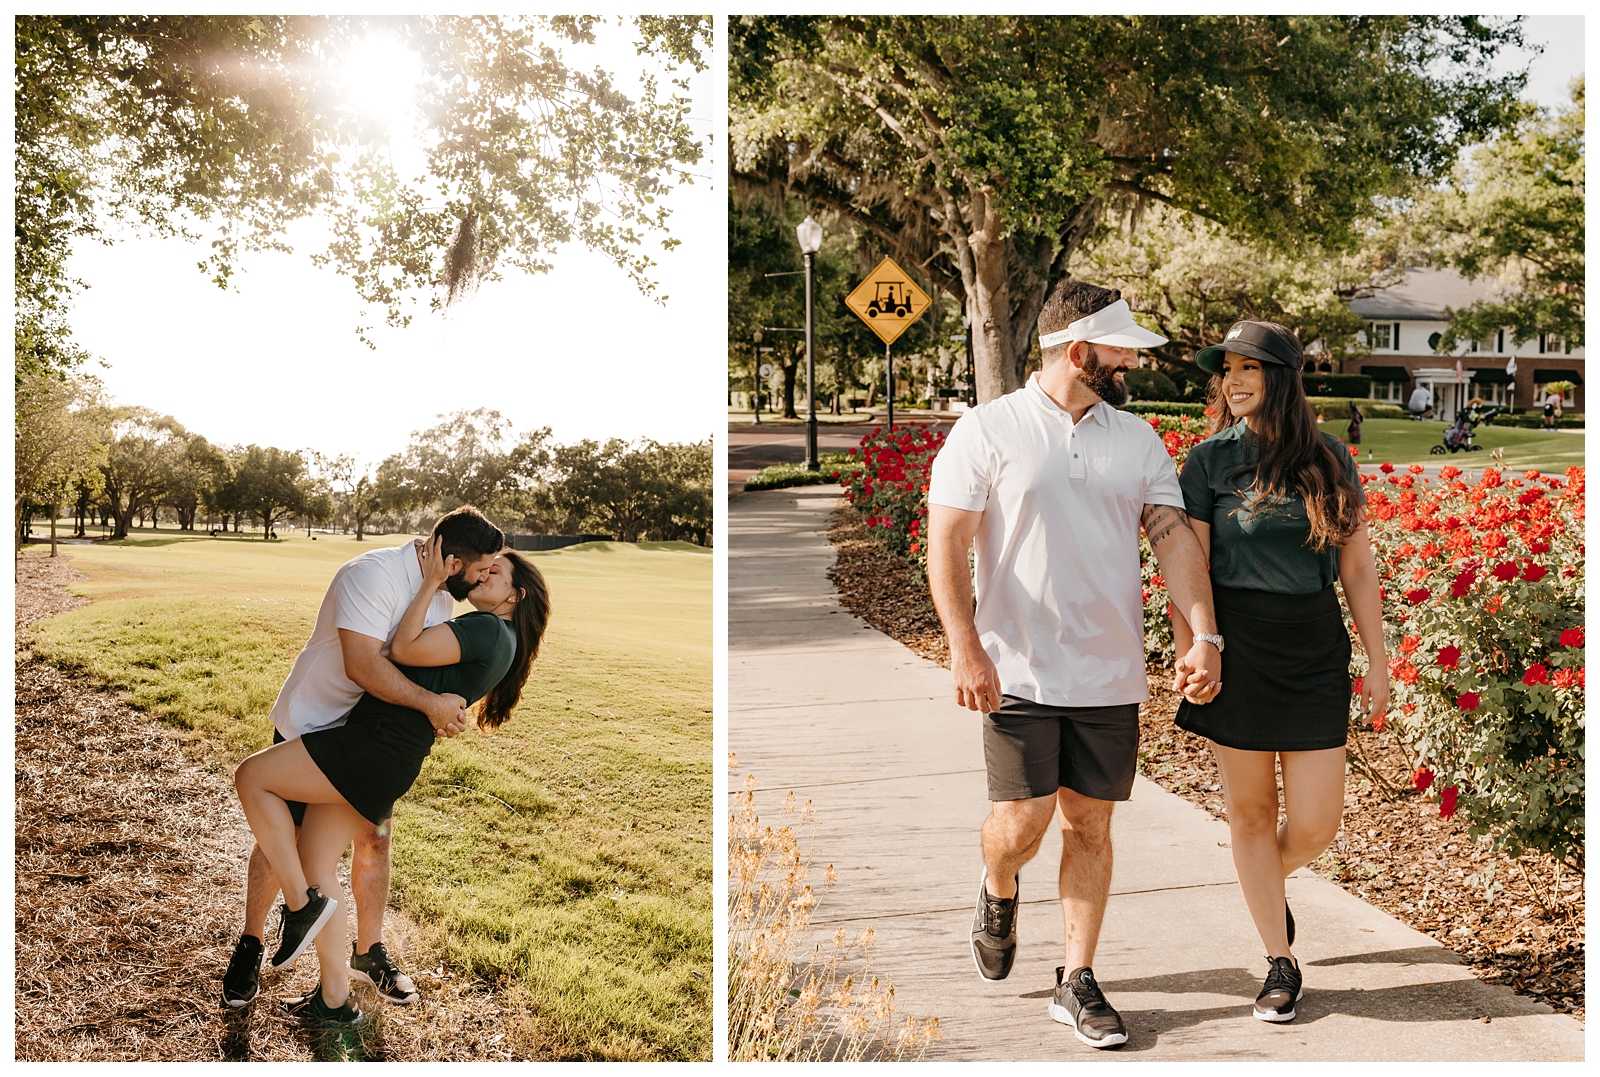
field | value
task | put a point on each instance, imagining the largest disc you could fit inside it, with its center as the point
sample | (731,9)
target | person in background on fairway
(1279,510)
(346,656)
(350,775)
(1052,484)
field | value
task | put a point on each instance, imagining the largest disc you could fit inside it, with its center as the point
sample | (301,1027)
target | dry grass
(130,884)
(791,999)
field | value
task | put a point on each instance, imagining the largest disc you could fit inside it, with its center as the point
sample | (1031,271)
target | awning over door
(1387,373)
(1541,377)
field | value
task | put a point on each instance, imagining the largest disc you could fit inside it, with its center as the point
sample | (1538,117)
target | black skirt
(1285,674)
(373,760)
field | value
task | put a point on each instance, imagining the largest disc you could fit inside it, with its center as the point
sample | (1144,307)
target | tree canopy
(1514,210)
(237,125)
(984,149)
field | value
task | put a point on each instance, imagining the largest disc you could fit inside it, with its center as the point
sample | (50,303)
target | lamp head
(810,235)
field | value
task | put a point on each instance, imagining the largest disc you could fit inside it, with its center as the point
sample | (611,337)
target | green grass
(567,858)
(1405,441)
(782,475)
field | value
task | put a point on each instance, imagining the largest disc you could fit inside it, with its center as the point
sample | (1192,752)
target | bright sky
(1562,37)
(276,360)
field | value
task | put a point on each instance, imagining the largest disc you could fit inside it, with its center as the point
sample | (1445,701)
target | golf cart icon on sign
(892,298)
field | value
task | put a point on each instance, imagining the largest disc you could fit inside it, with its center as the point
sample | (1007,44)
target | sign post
(888,300)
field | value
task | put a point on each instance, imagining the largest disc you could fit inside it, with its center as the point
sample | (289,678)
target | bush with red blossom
(887,483)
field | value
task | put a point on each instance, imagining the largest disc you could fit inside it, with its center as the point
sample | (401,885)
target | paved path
(857,723)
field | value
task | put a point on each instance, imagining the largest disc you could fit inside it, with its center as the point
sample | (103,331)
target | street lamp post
(809,233)
(755,378)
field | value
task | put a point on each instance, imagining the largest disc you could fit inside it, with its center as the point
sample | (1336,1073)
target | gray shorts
(1032,749)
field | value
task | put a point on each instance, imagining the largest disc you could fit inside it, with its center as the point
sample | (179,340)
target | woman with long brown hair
(1279,509)
(356,771)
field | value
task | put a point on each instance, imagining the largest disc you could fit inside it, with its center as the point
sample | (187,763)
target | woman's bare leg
(265,781)
(1313,804)
(1250,791)
(323,839)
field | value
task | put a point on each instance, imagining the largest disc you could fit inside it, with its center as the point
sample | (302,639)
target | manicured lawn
(1405,441)
(566,858)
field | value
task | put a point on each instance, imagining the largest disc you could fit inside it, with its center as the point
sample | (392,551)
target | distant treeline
(79,457)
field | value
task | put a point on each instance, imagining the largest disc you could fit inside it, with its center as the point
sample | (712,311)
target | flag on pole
(1459,372)
(1511,367)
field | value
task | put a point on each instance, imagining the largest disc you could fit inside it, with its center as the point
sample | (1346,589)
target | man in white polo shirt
(1052,484)
(348,654)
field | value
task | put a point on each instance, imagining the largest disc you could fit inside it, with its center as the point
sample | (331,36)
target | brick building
(1404,323)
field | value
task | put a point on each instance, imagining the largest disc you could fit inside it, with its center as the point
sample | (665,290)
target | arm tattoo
(1160,521)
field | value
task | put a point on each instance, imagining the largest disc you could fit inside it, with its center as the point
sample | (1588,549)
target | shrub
(1346,385)
(889,486)
(1338,407)
(1145,383)
(780,476)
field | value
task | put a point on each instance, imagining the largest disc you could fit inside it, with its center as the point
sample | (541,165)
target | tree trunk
(123,521)
(53,509)
(791,371)
(988,289)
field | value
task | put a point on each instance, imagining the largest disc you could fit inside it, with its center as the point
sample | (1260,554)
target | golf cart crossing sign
(888,301)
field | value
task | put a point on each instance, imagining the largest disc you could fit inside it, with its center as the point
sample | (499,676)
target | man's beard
(1102,380)
(458,586)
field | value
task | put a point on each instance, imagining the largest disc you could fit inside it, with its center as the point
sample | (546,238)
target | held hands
(1198,673)
(977,682)
(448,713)
(436,568)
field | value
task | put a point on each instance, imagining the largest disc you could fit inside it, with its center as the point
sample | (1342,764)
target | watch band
(1211,638)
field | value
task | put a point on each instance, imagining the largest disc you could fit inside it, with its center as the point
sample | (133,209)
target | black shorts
(296,809)
(1033,749)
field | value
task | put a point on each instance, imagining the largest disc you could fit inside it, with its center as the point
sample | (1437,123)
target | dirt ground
(1393,851)
(130,867)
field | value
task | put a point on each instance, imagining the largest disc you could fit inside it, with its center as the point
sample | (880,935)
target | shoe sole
(1063,1016)
(983,878)
(1274,1016)
(397,1000)
(240,1003)
(311,936)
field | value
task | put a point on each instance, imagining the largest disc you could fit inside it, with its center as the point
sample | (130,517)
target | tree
(62,429)
(270,484)
(1515,210)
(983,149)
(463,460)
(136,464)
(192,466)
(355,492)
(245,122)
(684,476)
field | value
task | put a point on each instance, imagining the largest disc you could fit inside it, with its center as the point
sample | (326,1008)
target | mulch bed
(1393,851)
(130,865)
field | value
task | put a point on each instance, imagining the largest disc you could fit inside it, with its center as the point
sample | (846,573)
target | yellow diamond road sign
(888,301)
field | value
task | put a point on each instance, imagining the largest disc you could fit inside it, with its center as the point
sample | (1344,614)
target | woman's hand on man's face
(436,568)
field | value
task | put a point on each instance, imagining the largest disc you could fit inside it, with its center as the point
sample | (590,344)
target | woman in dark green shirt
(353,773)
(1279,509)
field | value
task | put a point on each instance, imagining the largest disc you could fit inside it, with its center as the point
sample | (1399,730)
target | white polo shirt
(1060,610)
(369,594)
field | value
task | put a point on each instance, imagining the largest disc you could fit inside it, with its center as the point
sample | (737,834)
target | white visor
(1112,326)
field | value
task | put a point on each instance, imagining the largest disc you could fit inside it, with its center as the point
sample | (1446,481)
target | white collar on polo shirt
(1048,401)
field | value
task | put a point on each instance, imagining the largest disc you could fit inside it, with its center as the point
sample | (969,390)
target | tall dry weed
(791,998)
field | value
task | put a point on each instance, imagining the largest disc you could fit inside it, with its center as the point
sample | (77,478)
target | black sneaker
(298,929)
(318,1010)
(1288,922)
(299,1005)
(1079,1002)
(994,933)
(1281,991)
(376,967)
(242,981)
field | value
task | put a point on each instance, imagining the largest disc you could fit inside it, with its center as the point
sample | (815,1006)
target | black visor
(1255,340)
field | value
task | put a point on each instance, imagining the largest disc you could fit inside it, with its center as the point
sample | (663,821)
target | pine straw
(130,866)
(1393,851)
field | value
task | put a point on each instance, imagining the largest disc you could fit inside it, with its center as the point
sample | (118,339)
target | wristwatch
(1211,638)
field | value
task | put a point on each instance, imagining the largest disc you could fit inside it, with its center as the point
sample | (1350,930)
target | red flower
(1531,473)
(1355,686)
(1567,678)
(1409,644)
(1422,779)
(1449,656)
(1418,595)
(1378,723)
(1355,452)
(1415,469)
(1505,571)
(1572,637)
(1386,467)
(915,547)
(1447,801)
(1534,572)
(1463,582)
(1406,673)
(1537,674)
(1467,701)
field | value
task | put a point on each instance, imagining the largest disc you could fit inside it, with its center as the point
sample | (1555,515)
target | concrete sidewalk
(854,721)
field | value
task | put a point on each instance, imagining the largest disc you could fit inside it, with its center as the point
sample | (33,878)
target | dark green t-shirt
(1255,551)
(488,646)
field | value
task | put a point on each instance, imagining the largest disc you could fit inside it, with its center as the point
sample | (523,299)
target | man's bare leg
(1085,873)
(260,891)
(369,882)
(1011,836)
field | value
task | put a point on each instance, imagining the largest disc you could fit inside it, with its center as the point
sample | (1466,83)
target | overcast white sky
(276,360)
